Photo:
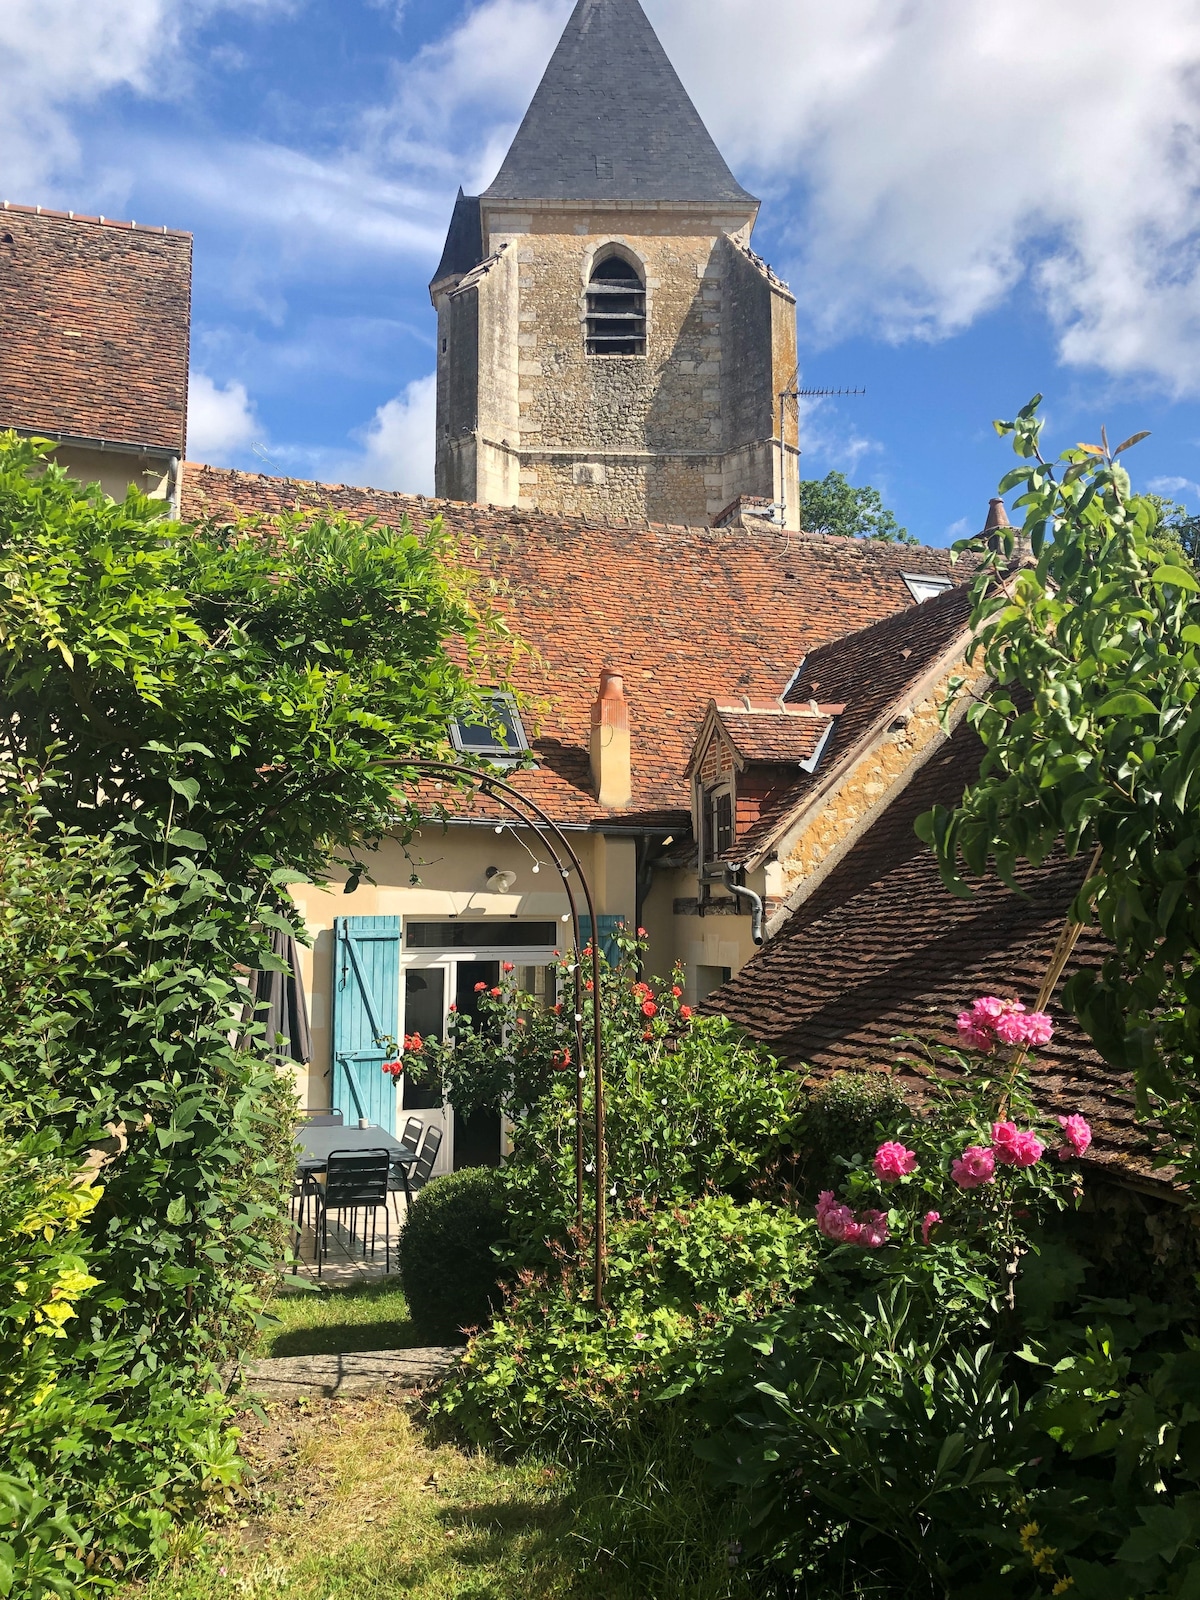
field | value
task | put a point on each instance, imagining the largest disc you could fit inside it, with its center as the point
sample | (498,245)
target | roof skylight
(499,737)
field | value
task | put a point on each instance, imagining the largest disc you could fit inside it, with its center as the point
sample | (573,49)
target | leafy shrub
(845,1116)
(447,1252)
(692,1107)
(42,1272)
(553,1371)
(193,718)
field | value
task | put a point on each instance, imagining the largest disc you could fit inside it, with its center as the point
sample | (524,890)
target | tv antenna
(778,511)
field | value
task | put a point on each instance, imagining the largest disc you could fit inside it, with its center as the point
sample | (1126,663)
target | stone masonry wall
(840,817)
(622,436)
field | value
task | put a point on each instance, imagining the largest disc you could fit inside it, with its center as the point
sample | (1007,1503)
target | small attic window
(500,738)
(616,310)
(923,586)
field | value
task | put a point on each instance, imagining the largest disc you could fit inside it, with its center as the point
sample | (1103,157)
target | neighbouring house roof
(94,328)
(611,121)
(463,250)
(686,614)
(870,674)
(882,949)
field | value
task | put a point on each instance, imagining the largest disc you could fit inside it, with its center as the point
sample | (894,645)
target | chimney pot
(609,750)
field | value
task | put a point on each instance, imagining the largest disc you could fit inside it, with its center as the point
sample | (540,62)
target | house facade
(95,320)
(713,706)
(639,637)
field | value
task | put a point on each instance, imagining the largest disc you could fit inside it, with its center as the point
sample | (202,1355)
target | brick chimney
(611,769)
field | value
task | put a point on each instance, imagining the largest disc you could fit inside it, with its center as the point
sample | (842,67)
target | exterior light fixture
(500,882)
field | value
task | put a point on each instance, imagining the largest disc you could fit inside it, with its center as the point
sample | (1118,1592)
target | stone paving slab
(357,1372)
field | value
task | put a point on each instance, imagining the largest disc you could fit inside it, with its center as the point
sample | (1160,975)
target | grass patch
(366,1316)
(354,1502)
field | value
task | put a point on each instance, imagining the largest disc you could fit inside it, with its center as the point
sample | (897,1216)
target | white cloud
(828,439)
(221,420)
(941,152)
(1176,488)
(59,55)
(398,444)
(396,451)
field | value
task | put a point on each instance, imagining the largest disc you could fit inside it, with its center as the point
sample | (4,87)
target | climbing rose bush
(971,1167)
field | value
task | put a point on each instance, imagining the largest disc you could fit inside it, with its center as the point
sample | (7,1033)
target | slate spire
(611,121)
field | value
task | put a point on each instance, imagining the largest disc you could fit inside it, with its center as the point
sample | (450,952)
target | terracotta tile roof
(94,325)
(779,733)
(874,668)
(883,949)
(686,614)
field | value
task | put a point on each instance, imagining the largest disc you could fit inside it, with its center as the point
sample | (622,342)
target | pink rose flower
(893,1161)
(833,1219)
(1038,1028)
(1014,1147)
(1010,1027)
(973,1036)
(989,1008)
(838,1222)
(1078,1136)
(873,1229)
(975,1167)
(931,1217)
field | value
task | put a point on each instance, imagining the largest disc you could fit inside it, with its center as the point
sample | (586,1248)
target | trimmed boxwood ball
(447,1266)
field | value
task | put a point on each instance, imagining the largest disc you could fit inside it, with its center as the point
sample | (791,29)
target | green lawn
(367,1316)
(353,1501)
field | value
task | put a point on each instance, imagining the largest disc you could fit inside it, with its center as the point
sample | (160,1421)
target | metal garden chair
(355,1180)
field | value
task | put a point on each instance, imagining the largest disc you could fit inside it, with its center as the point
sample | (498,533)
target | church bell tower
(608,343)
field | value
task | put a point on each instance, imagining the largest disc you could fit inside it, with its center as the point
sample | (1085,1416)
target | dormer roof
(611,121)
(767,734)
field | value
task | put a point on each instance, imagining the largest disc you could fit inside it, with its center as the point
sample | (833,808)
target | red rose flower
(495,993)
(649,1034)
(480,987)
(507,967)
(676,991)
(685,1012)
(649,1009)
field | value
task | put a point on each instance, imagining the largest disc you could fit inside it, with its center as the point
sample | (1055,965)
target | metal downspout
(742,893)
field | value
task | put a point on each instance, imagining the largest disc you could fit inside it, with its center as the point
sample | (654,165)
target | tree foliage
(190,719)
(833,505)
(1092,736)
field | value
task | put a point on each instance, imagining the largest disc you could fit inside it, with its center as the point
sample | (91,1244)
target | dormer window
(718,821)
(616,310)
(924,586)
(496,735)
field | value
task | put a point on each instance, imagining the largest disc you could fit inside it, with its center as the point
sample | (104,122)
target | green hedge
(447,1262)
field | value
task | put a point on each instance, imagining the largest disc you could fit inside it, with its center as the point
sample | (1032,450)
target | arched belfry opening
(616,309)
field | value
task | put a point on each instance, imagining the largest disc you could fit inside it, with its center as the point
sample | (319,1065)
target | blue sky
(972,203)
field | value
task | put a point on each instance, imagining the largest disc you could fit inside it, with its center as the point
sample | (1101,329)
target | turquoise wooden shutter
(608,926)
(366,1017)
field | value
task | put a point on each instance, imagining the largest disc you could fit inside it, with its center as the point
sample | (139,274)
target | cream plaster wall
(452,867)
(115,470)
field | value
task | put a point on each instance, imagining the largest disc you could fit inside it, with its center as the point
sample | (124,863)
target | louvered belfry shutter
(366,1017)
